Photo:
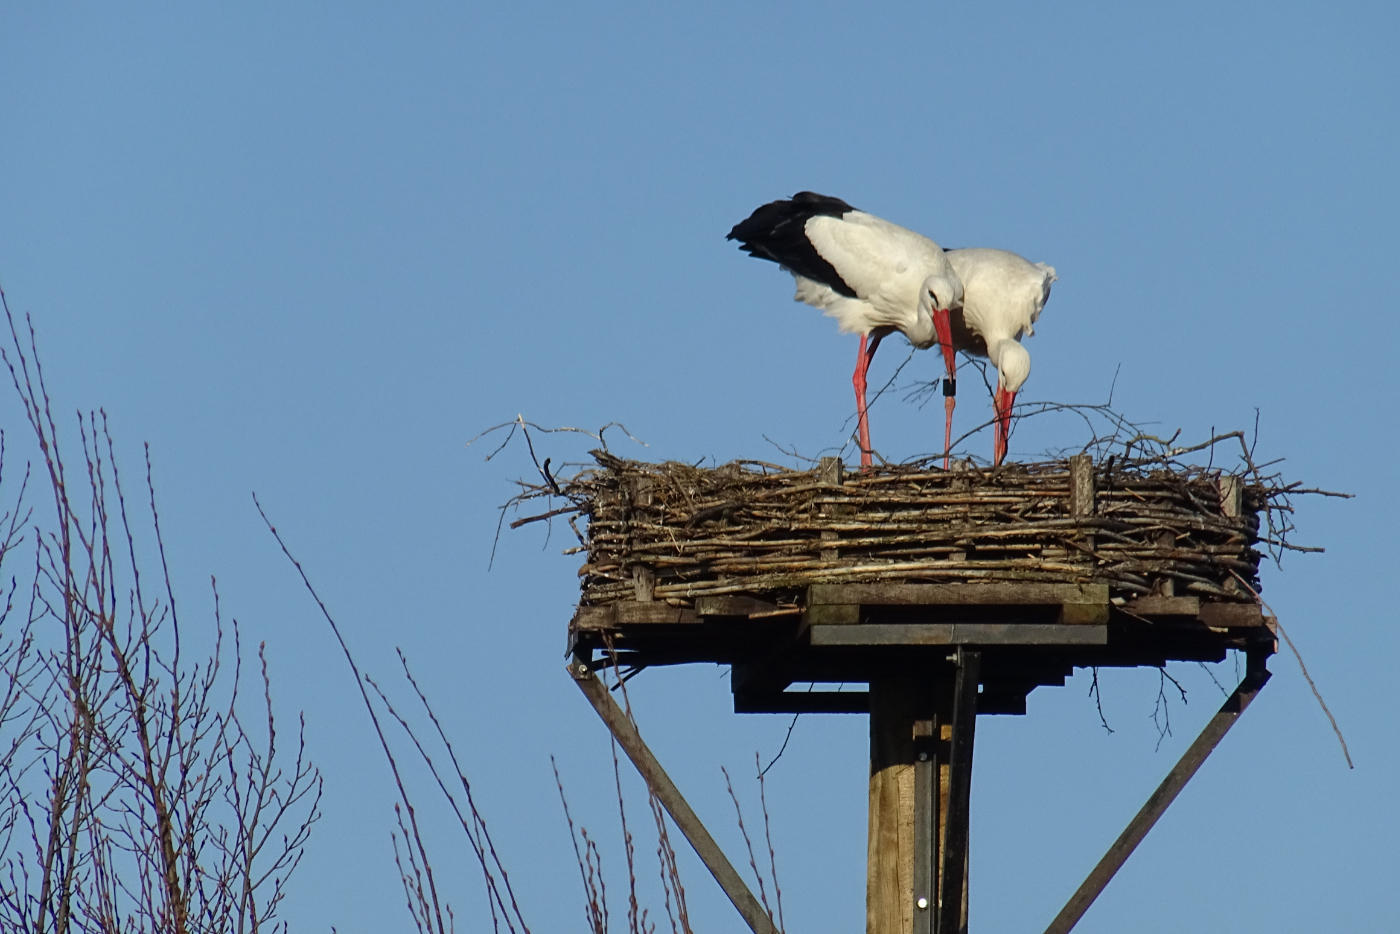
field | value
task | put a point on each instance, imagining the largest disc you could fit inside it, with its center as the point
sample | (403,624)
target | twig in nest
(520,422)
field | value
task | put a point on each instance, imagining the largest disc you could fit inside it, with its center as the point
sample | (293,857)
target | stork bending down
(872,276)
(1003,295)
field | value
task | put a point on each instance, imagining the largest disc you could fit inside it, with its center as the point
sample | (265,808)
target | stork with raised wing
(872,276)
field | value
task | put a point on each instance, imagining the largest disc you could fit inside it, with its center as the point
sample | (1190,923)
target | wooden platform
(848,634)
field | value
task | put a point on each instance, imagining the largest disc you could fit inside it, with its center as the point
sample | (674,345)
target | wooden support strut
(926,801)
(1256,676)
(952,916)
(665,791)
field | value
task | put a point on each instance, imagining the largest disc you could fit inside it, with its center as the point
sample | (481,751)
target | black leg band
(950,387)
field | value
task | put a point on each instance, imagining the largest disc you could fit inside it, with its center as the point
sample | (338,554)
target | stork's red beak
(1003,402)
(943,327)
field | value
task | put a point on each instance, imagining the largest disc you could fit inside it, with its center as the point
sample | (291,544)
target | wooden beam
(732,605)
(833,614)
(959,634)
(631,614)
(1232,614)
(989,594)
(952,915)
(665,791)
(889,884)
(1155,605)
(1256,676)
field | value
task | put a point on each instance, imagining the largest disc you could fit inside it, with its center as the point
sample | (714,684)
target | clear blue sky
(310,249)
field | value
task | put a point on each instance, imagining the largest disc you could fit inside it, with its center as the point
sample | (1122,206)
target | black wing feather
(777,231)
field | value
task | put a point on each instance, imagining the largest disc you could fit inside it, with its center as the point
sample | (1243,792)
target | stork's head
(1013,365)
(941,291)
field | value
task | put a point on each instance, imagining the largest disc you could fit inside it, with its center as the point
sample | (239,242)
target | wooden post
(1081,491)
(1231,496)
(912,809)
(831,471)
(1081,479)
(889,877)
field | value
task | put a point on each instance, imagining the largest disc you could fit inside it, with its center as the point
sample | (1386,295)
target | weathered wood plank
(989,594)
(959,634)
(832,471)
(1083,614)
(1081,474)
(594,618)
(833,614)
(732,605)
(1231,614)
(1153,605)
(631,614)
(1231,496)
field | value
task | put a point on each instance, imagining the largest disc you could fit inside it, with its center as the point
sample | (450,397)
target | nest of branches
(1143,521)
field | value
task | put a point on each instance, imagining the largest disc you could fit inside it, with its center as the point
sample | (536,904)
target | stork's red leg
(942,324)
(858,380)
(862,425)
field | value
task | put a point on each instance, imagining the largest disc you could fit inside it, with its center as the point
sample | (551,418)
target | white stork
(872,276)
(1003,295)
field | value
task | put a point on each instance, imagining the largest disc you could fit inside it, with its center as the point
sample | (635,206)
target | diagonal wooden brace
(1256,676)
(665,791)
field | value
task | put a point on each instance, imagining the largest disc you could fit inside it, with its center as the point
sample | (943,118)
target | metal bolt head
(922,903)
(923,757)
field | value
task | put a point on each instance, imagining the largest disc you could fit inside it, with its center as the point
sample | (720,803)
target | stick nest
(673,532)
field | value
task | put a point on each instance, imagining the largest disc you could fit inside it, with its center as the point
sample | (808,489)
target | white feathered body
(884,264)
(1003,296)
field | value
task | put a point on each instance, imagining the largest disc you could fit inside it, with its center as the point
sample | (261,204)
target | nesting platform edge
(1029,634)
